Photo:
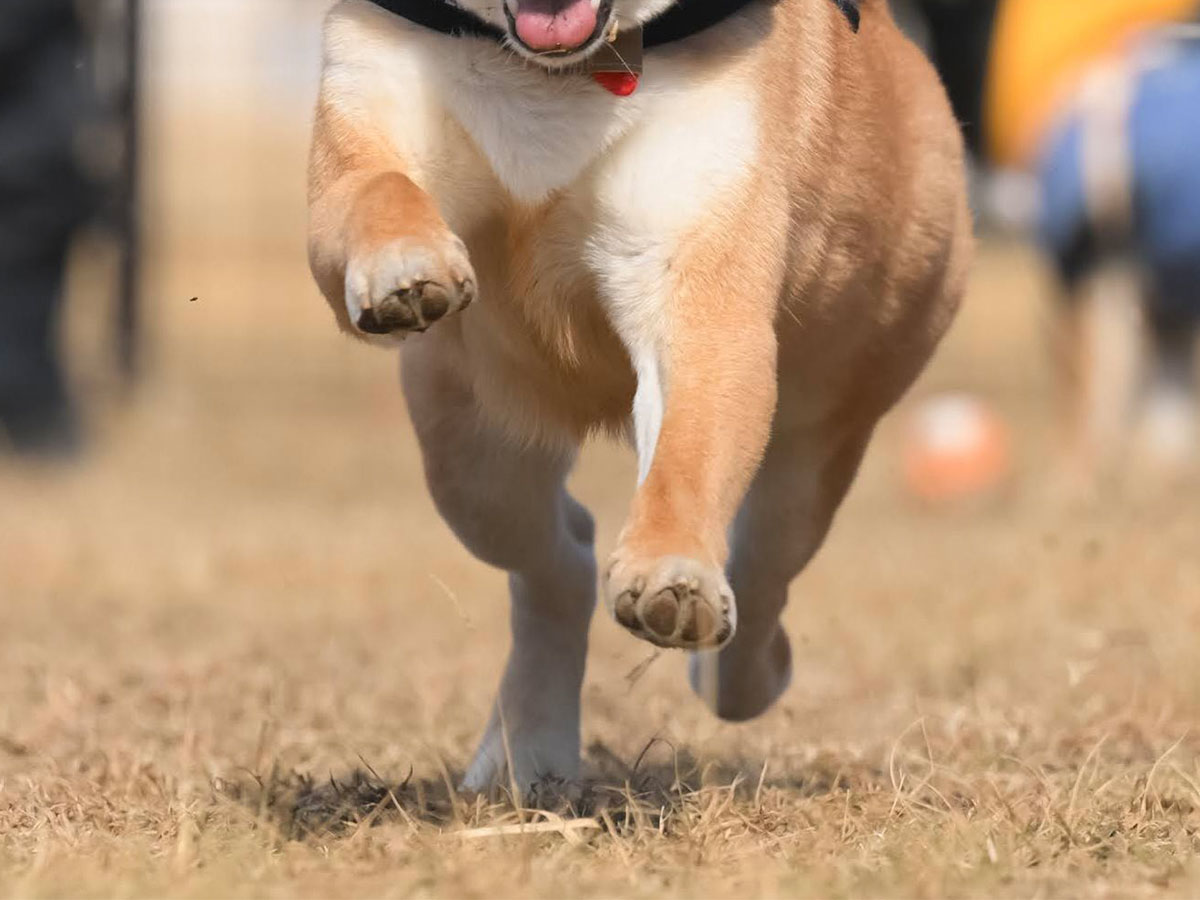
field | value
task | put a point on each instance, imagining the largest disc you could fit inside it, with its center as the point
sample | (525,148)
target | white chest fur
(538,130)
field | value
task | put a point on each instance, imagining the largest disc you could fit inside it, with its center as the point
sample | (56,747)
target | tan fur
(799,307)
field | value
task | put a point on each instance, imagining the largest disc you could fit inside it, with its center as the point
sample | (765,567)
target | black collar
(685,18)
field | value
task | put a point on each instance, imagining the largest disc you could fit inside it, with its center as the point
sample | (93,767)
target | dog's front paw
(408,284)
(671,601)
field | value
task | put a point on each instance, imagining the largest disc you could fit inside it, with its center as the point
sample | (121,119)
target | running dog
(732,230)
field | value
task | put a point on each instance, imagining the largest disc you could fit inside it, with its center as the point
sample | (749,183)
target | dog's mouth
(557,30)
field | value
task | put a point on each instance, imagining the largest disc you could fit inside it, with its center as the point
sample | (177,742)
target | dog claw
(672,602)
(408,286)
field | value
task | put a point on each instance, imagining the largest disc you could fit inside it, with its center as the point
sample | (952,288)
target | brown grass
(240,655)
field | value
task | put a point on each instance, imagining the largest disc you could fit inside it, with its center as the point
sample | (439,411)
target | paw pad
(672,602)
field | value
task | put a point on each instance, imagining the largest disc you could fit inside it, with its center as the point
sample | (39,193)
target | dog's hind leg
(507,504)
(782,522)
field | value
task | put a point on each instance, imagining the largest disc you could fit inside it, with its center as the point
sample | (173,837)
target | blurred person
(1055,101)
(44,197)
(1111,148)
(1009,66)
(1041,49)
(1120,179)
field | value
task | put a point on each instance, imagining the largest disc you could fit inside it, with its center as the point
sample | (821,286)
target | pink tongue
(555,24)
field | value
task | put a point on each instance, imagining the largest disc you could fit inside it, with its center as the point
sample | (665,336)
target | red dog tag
(617,63)
(620,83)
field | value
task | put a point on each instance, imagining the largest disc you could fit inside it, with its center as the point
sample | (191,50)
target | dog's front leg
(705,401)
(379,249)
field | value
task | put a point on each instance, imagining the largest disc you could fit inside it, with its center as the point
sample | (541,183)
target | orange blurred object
(956,448)
(1041,48)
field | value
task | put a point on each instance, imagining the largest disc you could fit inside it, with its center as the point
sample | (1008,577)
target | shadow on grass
(652,791)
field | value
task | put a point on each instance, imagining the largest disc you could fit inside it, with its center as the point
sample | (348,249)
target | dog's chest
(591,195)
(538,131)
(664,149)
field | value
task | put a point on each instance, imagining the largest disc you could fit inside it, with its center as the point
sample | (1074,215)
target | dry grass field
(241,656)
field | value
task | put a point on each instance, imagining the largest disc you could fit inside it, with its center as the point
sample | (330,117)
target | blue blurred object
(1162,131)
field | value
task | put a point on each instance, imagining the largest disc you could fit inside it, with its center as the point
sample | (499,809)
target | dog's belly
(524,384)
(543,355)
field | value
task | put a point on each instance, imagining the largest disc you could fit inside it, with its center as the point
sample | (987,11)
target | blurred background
(206,491)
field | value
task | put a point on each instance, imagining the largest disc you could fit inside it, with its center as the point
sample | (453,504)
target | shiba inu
(732,231)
